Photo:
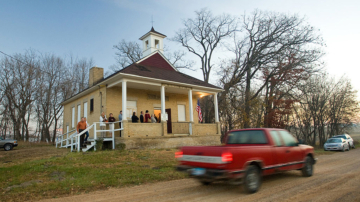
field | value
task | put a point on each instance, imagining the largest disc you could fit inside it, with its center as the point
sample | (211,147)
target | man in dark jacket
(141,117)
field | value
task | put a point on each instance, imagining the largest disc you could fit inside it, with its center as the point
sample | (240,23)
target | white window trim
(85,109)
(73,117)
(78,113)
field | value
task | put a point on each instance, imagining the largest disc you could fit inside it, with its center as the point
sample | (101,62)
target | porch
(173,105)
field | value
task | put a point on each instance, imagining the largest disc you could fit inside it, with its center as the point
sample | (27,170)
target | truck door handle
(287,151)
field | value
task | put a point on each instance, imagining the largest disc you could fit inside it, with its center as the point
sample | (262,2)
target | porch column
(163,112)
(124,99)
(216,108)
(162,103)
(191,114)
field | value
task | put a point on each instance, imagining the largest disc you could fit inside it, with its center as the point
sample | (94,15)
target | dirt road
(336,178)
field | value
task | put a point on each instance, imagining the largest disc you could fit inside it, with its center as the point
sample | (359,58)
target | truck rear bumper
(214,174)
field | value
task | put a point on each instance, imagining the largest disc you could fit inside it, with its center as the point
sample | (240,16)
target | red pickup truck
(246,156)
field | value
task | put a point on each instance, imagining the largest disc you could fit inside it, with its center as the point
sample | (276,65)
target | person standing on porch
(102,123)
(134,118)
(81,126)
(147,116)
(111,121)
(141,117)
(153,120)
(120,119)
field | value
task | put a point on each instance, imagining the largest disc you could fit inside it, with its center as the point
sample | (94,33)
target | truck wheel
(252,179)
(8,147)
(307,170)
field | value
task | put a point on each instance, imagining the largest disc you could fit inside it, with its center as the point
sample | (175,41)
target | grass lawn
(38,171)
(35,171)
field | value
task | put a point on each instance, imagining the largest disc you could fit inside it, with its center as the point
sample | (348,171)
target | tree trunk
(246,116)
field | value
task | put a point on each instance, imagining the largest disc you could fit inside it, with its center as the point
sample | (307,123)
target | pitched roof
(157,67)
(156,60)
(153,31)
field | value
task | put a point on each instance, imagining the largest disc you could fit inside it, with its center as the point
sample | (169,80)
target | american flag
(198,109)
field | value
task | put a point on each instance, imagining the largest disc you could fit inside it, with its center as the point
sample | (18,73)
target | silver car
(336,144)
(8,144)
(348,139)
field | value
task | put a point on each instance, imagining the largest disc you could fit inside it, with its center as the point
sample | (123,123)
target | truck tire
(8,147)
(252,179)
(307,170)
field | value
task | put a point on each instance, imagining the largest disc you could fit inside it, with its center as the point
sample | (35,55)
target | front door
(169,126)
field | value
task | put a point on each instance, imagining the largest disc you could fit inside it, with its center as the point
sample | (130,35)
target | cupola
(152,41)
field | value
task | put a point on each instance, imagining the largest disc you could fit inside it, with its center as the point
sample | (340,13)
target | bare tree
(19,80)
(129,52)
(203,34)
(270,45)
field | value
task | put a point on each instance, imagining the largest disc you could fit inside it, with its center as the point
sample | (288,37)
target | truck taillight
(227,157)
(178,154)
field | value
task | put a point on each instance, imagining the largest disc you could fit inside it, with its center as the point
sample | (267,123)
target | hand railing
(111,129)
(75,137)
(60,139)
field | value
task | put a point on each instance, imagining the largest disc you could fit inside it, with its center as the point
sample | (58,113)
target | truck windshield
(247,137)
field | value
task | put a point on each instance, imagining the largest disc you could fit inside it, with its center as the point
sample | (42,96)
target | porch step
(89,146)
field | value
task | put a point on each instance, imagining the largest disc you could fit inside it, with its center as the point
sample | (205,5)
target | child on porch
(111,119)
(147,116)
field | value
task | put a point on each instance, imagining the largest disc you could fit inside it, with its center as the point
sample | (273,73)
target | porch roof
(155,68)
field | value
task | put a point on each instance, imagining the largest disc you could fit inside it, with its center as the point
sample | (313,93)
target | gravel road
(336,178)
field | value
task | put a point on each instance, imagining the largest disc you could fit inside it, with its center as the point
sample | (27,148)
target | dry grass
(38,171)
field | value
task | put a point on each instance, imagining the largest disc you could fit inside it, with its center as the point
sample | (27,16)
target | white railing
(60,139)
(75,138)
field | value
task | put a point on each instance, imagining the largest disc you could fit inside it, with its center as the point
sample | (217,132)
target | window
(85,109)
(146,44)
(73,117)
(157,44)
(130,108)
(181,113)
(275,136)
(78,113)
(247,137)
(91,105)
(288,139)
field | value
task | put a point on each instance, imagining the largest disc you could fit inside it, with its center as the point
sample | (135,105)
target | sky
(90,28)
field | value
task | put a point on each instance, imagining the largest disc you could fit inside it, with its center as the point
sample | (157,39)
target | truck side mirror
(301,141)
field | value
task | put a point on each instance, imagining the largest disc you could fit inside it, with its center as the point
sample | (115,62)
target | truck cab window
(288,139)
(275,136)
(247,137)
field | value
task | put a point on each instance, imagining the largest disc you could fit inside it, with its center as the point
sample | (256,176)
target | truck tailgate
(203,157)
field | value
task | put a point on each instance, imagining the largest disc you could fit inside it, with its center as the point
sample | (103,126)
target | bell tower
(152,41)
